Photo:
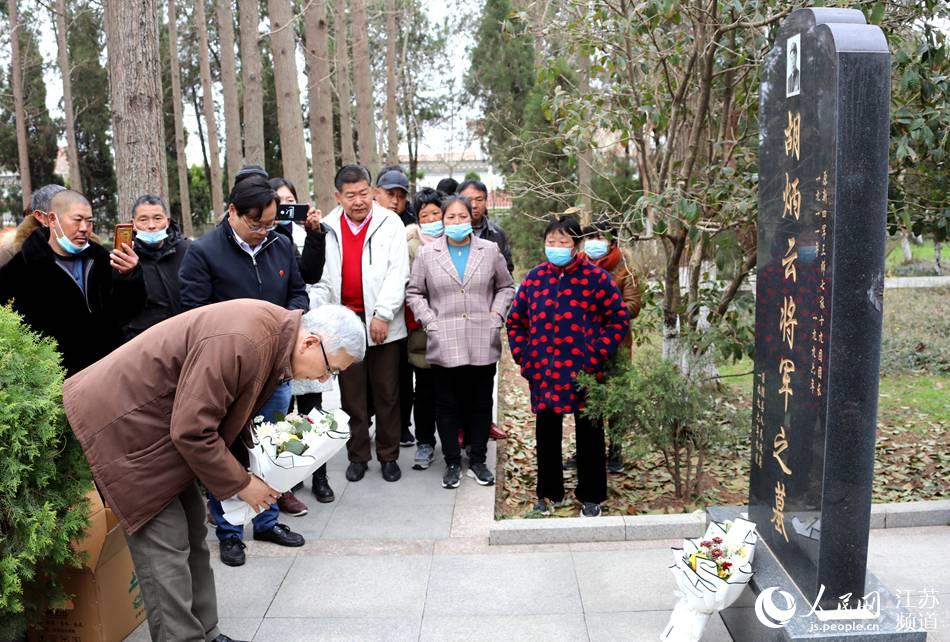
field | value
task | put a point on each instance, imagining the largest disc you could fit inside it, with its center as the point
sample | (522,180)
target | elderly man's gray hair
(41,198)
(337,327)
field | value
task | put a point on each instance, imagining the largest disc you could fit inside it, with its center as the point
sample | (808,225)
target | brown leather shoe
(290,505)
(494,432)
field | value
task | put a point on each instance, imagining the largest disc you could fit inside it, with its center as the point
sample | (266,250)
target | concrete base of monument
(745,621)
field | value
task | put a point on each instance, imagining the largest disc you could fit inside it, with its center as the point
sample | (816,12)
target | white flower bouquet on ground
(711,572)
(286,452)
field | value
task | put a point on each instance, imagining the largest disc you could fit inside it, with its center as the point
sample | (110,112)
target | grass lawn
(912,459)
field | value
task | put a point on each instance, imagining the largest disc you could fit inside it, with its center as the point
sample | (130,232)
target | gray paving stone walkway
(410,561)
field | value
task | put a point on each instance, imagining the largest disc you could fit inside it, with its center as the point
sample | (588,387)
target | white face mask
(68,246)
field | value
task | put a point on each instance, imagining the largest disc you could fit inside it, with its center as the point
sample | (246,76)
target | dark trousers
(376,377)
(591,464)
(266,519)
(306,403)
(406,398)
(424,405)
(463,399)
(173,567)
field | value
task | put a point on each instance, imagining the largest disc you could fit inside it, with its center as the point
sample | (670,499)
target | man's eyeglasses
(330,371)
(257,227)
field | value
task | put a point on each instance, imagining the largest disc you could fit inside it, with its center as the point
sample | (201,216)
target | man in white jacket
(367,270)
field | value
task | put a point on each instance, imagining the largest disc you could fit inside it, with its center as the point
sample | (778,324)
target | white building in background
(435,167)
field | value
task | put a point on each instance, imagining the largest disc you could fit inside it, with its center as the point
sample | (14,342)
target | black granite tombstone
(823,142)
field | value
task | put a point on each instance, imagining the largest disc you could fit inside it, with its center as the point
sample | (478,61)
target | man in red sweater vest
(367,270)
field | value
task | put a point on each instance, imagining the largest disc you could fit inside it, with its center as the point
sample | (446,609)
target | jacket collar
(570,268)
(229,232)
(36,248)
(475,257)
(379,213)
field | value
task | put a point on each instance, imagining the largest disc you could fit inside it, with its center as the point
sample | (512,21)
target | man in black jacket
(70,288)
(245,258)
(161,249)
(477,194)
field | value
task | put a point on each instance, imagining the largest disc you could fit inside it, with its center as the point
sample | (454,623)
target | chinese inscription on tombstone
(823,142)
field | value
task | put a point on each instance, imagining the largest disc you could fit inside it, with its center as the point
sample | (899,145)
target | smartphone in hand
(296,212)
(123,234)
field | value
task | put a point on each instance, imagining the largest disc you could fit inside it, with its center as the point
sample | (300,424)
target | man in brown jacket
(165,408)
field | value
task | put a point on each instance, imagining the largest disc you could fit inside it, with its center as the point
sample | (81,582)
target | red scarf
(609,261)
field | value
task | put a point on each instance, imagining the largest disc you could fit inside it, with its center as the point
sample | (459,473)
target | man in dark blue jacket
(244,258)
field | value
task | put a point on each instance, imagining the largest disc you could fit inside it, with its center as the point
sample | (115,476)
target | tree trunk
(392,134)
(321,109)
(343,91)
(251,81)
(365,125)
(585,157)
(232,110)
(72,153)
(135,90)
(179,126)
(207,99)
(201,139)
(938,258)
(23,156)
(905,247)
(293,148)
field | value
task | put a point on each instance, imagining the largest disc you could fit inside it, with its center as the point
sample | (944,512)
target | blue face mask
(596,249)
(458,232)
(68,246)
(559,256)
(152,238)
(433,230)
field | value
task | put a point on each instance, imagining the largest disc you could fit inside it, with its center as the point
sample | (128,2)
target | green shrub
(43,478)
(649,406)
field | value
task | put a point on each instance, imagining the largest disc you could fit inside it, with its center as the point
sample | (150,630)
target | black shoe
(570,463)
(452,477)
(321,487)
(281,535)
(614,460)
(542,507)
(615,465)
(355,471)
(232,551)
(481,474)
(391,471)
(406,439)
(590,509)
(224,638)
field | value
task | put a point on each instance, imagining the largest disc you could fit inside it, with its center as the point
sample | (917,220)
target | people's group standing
(408,297)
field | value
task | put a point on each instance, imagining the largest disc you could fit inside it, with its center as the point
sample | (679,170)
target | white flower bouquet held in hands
(286,452)
(711,572)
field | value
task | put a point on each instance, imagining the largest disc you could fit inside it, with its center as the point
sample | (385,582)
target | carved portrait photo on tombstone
(793,66)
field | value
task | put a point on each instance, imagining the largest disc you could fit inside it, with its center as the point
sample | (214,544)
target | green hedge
(43,478)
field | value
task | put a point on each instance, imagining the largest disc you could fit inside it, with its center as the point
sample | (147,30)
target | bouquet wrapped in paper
(286,452)
(711,572)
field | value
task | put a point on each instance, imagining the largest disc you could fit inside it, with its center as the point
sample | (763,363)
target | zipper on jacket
(260,284)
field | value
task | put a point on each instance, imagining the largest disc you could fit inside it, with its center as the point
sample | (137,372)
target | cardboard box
(108,600)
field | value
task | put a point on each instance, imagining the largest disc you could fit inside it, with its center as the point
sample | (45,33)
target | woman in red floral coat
(568,317)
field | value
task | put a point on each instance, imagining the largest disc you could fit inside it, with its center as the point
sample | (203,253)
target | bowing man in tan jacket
(165,409)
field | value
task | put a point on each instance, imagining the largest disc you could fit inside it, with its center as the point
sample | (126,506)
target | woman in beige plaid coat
(460,290)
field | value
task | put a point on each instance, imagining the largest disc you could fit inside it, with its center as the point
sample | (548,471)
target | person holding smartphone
(161,249)
(71,289)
